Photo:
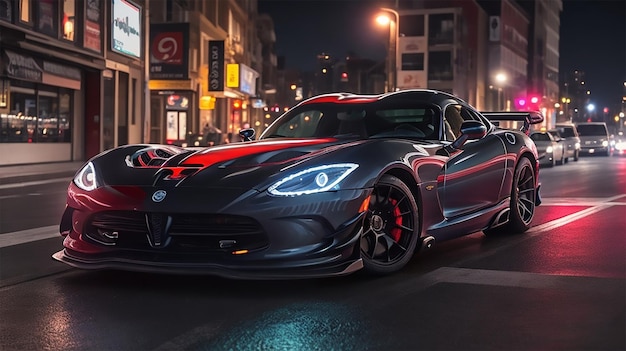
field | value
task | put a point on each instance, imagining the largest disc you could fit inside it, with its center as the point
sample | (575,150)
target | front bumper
(312,235)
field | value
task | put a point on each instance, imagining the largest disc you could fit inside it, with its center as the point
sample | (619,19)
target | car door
(473,175)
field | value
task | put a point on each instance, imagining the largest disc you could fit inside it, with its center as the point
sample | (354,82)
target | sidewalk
(39,171)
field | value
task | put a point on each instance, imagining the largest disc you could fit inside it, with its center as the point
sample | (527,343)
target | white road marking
(596,204)
(29,235)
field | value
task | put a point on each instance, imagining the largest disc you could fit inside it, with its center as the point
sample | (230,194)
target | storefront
(38,102)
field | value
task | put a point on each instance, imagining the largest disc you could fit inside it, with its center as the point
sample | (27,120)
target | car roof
(424,95)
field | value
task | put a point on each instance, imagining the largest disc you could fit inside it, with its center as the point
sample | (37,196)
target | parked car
(551,151)
(594,138)
(339,183)
(568,132)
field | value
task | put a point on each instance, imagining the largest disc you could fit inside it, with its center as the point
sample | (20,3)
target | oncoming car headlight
(86,178)
(549,149)
(312,180)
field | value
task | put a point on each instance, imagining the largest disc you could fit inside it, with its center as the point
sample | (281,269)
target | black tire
(523,195)
(576,155)
(391,227)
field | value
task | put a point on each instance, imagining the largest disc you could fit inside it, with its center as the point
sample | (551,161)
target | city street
(559,286)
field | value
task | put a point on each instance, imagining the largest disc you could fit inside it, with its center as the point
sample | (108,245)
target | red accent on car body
(342,99)
(223,153)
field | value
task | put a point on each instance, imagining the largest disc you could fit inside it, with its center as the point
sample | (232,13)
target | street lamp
(392,54)
(500,80)
(566,101)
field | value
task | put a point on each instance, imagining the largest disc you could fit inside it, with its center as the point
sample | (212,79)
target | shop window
(36,117)
(48,118)
(47,17)
(25,12)
(20,123)
(69,19)
(65,116)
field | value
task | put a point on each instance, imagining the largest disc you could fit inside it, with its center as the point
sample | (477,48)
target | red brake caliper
(396,232)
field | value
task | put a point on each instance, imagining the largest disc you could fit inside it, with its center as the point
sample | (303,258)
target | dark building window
(412,26)
(441,29)
(413,62)
(6,10)
(47,22)
(440,65)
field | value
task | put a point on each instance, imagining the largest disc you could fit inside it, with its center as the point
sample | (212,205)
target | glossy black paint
(460,187)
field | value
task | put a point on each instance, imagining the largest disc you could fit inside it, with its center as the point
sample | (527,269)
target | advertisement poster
(216,65)
(169,47)
(126,28)
(92,36)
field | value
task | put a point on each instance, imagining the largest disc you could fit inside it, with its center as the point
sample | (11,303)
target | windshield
(356,120)
(566,132)
(540,137)
(592,129)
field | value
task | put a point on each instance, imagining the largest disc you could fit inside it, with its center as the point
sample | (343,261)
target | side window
(452,121)
(301,125)
(454,116)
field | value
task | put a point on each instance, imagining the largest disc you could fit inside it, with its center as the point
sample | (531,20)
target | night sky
(592,37)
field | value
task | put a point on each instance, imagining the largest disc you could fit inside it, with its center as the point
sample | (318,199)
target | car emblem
(159,195)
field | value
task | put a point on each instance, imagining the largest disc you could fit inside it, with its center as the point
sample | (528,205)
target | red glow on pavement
(546,213)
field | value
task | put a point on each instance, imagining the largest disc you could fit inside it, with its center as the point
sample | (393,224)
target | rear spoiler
(528,117)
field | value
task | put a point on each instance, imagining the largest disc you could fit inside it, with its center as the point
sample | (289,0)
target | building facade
(211,82)
(71,78)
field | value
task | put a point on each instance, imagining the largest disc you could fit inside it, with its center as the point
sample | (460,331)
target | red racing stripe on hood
(223,153)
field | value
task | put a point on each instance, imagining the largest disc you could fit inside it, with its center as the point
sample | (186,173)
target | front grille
(186,233)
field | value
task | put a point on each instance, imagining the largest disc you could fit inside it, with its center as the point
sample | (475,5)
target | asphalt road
(561,285)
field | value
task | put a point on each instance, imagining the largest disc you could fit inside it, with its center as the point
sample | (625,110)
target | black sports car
(337,184)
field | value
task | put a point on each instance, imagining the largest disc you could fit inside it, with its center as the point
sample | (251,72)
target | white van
(594,138)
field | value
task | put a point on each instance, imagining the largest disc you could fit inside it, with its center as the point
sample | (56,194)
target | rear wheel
(523,195)
(391,227)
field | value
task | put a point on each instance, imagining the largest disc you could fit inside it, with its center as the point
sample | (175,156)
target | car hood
(237,165)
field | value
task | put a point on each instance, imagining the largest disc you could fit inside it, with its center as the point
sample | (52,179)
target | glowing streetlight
(501,79)
(392,55)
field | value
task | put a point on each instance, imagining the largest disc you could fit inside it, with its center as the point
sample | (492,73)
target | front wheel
(523,195)
(390,228)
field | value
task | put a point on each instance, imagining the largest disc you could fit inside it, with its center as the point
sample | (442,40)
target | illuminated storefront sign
(216,65)
(242,77)
(169,44)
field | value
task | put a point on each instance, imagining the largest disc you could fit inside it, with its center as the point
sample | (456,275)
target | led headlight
(549,149)
(86,178)
(312,180)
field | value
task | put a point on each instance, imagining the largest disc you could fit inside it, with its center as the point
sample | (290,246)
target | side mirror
(247,134)
(470,130)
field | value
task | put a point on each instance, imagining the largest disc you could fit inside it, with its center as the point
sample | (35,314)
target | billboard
(126,28)
(216,65)
(169,51)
